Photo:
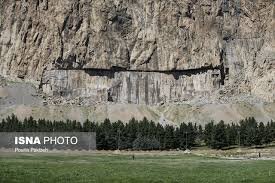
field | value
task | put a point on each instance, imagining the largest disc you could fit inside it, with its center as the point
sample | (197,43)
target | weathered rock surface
(23,100)
(130,87)
(142,52)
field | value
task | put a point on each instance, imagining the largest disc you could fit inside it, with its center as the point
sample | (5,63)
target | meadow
(123,168)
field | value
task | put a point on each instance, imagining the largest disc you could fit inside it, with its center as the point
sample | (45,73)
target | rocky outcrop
(131,86)
(143,52)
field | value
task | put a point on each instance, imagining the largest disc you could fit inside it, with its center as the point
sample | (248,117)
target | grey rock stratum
(140,51)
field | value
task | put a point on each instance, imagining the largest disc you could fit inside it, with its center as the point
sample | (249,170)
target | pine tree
(160,135)
(219,136)
(268,134)
(208,133)
(147,135)
(169,138)
(232,134)
(260,134)
(200,134)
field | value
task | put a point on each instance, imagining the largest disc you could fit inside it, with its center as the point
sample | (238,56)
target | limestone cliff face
(144,52)
(129,87)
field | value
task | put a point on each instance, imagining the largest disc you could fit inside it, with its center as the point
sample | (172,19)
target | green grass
(121,168)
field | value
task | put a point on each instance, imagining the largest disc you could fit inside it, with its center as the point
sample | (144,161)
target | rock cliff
(140,52)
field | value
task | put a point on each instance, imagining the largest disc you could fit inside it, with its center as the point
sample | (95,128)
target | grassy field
(121,168)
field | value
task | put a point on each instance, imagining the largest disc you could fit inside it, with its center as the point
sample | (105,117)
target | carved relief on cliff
(134,87)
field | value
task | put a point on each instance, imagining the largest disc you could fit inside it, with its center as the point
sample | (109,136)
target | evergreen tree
(169,138)
(191,135)
(260,134)
(147,135)
(268,134)
(232,134)
(160,135)
(208,133)
(146,143)
(200,135)
(219,136)
(182,134)
(272,129)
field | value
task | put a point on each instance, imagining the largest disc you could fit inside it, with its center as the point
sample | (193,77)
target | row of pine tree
(147,135)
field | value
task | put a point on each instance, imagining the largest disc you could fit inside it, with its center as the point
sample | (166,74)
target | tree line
(148,135)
